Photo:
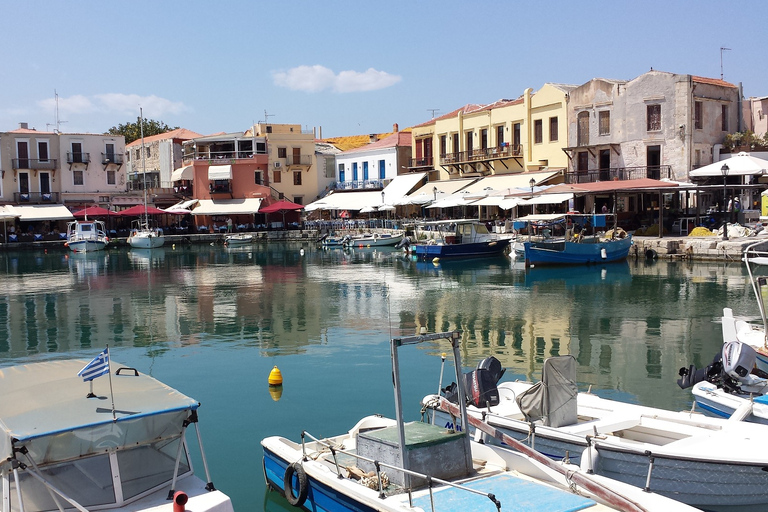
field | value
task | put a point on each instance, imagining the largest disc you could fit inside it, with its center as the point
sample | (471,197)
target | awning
(182,205)
(227,206)
(220,172)
(510,181)
(184,173)
(427,193)
(547,199)
(400,186)
(346,201)
(32,213)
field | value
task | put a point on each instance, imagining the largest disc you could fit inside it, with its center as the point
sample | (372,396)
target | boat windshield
(89,480)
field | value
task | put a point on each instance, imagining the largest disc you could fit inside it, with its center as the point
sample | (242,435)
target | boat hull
(238,240)
(716,402)
(376,241)
(87,245)
(468,250)
(144,240)
(573,253)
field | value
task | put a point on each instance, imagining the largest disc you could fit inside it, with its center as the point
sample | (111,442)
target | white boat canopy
(742,164)
(227,206)
(41,212)
(183,173)
(220,172)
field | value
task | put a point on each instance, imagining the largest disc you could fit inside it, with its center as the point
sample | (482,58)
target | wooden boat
(576,245)
(463,238)
(86,236)
(238,239)
(384,464)
(65,448)
(704,462)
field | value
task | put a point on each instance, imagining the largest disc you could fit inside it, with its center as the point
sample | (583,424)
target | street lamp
(532,183)
(724,169)
(382,202)
(434,193)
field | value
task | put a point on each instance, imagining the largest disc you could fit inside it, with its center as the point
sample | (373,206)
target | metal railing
(78,158)
(33,163)
(655,172)
(425,161)
(496,153)
(359,184)
(111,158)
(36,197)
(215,156)
(300,160)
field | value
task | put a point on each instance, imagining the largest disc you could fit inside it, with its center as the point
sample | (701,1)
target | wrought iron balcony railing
(111,158)
(34,163)
(78,158)
(655,172)
(425,161)
(477,155)
(35,197)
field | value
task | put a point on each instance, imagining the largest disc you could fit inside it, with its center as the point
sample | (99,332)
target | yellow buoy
(275,392)
(275,377)
(436,260)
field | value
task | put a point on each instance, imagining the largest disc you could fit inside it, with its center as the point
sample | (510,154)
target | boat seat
(553,400)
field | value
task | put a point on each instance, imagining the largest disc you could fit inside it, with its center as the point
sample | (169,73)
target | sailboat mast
(144,168)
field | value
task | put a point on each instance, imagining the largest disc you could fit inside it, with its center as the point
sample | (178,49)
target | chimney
(395,128)
(24,126)
(373,137)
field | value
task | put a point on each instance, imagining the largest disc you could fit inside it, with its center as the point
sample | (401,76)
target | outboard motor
(731,368)
(480,384)
(405,242)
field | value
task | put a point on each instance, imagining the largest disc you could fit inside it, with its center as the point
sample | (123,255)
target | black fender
(301,479)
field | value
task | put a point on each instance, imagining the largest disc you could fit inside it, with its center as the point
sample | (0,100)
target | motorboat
(117,444)
(86,236)
(384,464)
(336,241)
(145,236)
(705,462)
(571,239)
(376,240)
(238,239)
(462,238)
(735,329)
(732,386)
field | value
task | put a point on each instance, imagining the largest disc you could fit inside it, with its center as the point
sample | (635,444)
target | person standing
(229,224)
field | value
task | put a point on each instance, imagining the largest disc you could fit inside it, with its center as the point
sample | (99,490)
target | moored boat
(463,238)
(238,239)
(336,241)
(376,240)
(701,461)
(86,236)
(65,448)
(144,236)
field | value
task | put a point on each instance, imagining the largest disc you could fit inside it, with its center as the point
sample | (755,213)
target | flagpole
(111,394)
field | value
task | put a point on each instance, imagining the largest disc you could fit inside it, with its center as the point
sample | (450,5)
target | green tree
(132,131)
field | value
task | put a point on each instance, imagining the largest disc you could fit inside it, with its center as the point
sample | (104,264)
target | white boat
(65,448)
(376,240)
(143,234)
(86,236)
(704,462)
(735,329)
(336,241)
(384,464)
(238,239)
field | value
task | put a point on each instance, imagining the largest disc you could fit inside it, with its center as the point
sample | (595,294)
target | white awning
(427,193)
(38,212)
(548,199)
(346,201)
(181,207)
(741,164)
(183,173)
(400,186)
(220,172)
(227,206)
(510,181)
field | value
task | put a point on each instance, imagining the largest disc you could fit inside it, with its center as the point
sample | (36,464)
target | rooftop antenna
(433,110)
(722,49)
(58,122)
(267,116)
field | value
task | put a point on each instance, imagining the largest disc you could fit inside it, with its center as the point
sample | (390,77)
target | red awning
(94,211)
(135,211)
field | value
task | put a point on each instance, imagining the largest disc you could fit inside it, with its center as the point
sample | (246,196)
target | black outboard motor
(405,242)
(730,368)
(480,384)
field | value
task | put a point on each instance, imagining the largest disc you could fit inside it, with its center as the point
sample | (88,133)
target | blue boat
(578,242)
(464,238)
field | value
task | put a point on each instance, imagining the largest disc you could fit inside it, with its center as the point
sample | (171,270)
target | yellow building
(505,137)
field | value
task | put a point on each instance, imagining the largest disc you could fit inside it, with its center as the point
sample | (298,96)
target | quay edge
(701,248)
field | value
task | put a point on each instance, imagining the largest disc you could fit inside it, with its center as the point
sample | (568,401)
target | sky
(346,68)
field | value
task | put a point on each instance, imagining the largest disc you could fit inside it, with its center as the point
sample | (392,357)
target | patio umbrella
(281,206)
(136,211)
(94,211)
(739,165)
(6,215)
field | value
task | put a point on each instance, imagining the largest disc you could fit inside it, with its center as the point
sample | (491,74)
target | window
(24,183)
(269,129)
(582,133)
(516,135)
(538,136)
(138,154)
(111,177)
(553,129)
(455,148)
(470,139)
(724,110)
(42,150)
(443,144)
(77,176)
(382,169)
(365,171)
(500,135)
(341,172)
(261,148)
(276,177)
(354,171)
(484,138)
(298,199)
(653,117)
(109,151)
(697,121)
(257,177)
(281,152)
(297,178)
(605,122)
(22,153)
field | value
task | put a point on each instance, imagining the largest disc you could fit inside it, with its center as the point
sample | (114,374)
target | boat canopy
(45,409)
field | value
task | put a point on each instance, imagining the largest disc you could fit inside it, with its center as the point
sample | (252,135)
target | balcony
(482,155)
(35,197)
(33,163)
(360,185)
(220,187)
(420,162)
(216,157)
(655,172)
(111,158)
(298,160)
(78,158)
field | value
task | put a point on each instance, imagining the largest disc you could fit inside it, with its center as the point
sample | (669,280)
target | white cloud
(319,78)
(77,104)
(126,104)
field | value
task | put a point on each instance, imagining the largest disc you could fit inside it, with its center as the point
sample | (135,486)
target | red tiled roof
(466,109)
(396,139)
(712,81)
(28,130)
(179,134)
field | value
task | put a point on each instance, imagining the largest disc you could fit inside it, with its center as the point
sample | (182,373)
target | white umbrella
(739,165)
(386,207)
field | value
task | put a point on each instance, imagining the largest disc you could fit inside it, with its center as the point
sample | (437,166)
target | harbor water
(213,321)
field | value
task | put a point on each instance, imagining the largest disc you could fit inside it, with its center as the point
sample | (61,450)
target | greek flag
(96,368)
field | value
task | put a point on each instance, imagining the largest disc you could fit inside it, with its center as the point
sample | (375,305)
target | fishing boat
(463,238)
(571,239)
(335,241)
(376,240)
(117,444)
(384,464)
(86,236)
(735,329)
(143,234)
(238,239)
(704,462)
(732,386)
